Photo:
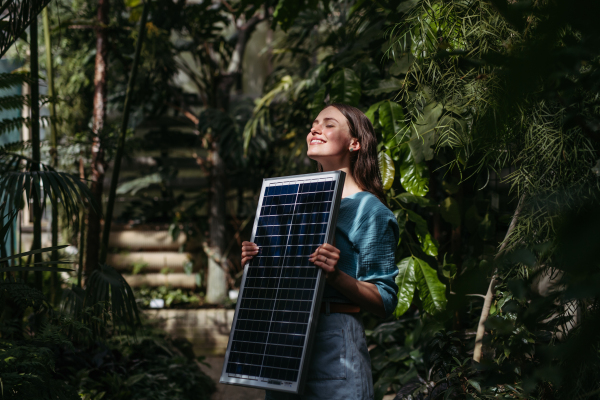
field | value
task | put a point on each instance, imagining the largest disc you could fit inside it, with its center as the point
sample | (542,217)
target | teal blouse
(366,235)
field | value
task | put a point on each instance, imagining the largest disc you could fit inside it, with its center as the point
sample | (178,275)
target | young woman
(359,269)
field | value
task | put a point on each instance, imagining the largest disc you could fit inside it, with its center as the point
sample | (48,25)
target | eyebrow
(325,119)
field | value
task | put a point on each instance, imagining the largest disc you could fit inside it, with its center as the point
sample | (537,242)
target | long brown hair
(364,165)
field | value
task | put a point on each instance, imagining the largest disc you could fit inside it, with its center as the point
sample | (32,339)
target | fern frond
(9,124)
(10,79)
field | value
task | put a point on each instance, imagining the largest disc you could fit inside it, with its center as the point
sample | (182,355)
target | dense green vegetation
(487,115)
(486,112)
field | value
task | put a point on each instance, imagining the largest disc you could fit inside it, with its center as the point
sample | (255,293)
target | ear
(354,144)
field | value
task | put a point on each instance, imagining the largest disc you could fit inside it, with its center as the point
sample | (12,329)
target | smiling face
(329,139)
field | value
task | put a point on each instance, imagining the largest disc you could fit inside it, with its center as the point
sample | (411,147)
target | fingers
(249,250)
(325,257)
(328,251)
(329,247)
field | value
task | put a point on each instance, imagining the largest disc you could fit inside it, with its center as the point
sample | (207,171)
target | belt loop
(327,307)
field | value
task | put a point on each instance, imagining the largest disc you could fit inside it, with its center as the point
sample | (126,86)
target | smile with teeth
(317,141)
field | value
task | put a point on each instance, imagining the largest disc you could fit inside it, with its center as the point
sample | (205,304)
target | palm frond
(107,297)
(59,188)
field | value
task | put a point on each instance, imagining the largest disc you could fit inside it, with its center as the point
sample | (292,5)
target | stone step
(153,261)
(173,280)
(145,239)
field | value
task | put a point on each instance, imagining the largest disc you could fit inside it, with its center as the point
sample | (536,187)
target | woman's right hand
(249,250)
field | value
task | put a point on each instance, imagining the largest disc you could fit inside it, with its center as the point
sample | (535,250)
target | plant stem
(489,296)
(35,146)
(81,249)
(121,145)
(53,144)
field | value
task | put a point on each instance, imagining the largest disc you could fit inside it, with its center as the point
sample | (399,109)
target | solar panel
(280,295)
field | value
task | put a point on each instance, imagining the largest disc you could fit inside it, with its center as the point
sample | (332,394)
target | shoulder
(364,207)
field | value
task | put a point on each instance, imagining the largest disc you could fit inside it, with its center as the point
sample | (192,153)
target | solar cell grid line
(275,318)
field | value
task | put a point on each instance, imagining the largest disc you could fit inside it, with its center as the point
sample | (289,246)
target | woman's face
(329,136)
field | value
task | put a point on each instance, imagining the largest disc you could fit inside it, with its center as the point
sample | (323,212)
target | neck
(350,185)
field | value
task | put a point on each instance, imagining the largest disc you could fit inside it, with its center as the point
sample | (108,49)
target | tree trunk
(489,296)
(53,144)
(35,146)
(99,116)
(216,285)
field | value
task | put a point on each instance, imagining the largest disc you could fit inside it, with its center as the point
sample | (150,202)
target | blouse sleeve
(376,240)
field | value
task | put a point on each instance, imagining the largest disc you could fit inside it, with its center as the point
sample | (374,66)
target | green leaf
(450,211)
(475,384)
(371,112)
(401,218)
(424,134)
(135,185)
(132,380)
(487,227)
(449,187)
(432,292)
(406,282)
(428,243)
(391,118)
(402,64)
(414,176)
(318,101)
(28,253)
(411,198)
(385,86)
(345,87)
(387,168)
(449,270)
(472,219)
(397,353)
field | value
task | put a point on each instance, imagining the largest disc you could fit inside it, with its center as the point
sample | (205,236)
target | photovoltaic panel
(280,294)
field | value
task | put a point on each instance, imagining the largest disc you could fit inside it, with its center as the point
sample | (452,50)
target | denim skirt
(339,367)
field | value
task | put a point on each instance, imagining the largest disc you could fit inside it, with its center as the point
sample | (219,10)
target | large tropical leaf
(387,168)
(406,282)
(370,114)
(385,86)
(391,118)
(432,292)
(428,243)
(106,287)
(414,176)
(345,87)
(424,133)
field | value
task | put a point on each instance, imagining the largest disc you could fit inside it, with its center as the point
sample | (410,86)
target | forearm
(364,294)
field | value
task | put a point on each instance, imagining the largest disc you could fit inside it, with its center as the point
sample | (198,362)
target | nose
(315,130)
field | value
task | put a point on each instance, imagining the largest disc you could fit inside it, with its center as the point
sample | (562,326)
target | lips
(317,141)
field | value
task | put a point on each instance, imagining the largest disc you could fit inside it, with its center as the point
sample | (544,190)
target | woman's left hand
(326,257)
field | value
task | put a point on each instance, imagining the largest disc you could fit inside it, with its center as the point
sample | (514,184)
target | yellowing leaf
(387,168)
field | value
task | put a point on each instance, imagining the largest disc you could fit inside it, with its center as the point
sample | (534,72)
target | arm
(365,294)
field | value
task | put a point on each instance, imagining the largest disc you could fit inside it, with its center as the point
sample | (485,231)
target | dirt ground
(229,392)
